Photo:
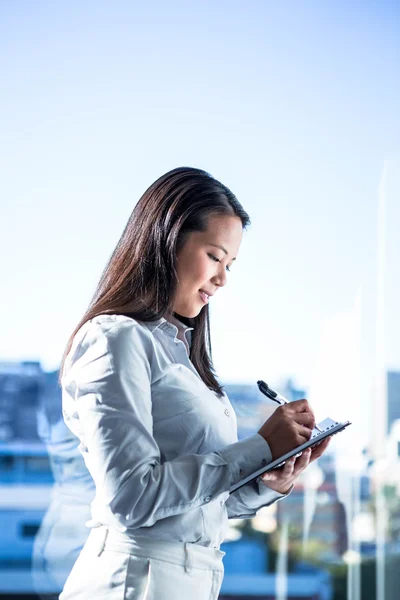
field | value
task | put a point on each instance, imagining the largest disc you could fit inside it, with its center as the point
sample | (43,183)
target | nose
(220,278)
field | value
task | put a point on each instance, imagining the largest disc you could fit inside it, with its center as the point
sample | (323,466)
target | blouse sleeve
(247,500)
(107,402)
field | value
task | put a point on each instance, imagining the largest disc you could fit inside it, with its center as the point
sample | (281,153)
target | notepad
(328,426)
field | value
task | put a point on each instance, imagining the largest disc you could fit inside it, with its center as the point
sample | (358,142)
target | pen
(275,396)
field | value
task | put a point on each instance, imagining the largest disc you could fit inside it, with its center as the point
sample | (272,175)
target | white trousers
(113,566)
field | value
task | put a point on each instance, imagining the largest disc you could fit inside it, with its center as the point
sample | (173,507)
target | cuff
(246,456)
(263,489)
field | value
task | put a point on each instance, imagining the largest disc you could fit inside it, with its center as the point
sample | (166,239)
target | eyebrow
(221,248)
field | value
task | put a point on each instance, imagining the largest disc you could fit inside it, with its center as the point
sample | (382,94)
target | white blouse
(161,447)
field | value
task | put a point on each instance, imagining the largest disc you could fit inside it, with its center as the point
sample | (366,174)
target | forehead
(225,230)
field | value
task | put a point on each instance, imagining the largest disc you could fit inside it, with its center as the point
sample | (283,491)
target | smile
(204,297)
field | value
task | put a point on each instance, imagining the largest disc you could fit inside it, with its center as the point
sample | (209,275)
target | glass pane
(294,106)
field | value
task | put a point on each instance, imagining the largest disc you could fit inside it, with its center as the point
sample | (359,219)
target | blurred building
(393,398)
(247,575)
(392,470)
(21,386)
(26,482)
(328,519)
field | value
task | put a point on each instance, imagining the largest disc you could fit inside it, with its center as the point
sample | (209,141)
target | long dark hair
(140,277)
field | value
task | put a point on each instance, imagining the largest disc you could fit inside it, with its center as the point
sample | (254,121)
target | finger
(302,462)
(289,465)
(317,452)
(325,443)
(300,406)
(306,419)
(304,433)
(282,472)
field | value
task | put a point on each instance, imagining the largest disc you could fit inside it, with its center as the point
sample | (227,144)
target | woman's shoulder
(109,340)
(112,322)
(111,332)
(113,326)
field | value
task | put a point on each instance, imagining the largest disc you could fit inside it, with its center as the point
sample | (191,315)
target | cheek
(194,270)
(203,271)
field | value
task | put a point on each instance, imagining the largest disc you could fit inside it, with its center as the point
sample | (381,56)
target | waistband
(180,553)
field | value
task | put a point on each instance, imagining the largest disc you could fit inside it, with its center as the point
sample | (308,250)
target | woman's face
(203,262)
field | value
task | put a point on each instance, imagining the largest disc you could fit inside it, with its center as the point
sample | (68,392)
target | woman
(157,432)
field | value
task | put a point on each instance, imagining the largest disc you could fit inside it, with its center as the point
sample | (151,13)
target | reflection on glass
(62,533)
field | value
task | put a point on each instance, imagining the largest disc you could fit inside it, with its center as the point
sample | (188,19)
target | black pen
(275,396)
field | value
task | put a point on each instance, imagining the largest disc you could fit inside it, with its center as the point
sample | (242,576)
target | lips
(204,296)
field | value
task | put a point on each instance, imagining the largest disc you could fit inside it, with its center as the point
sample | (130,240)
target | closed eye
(215,259)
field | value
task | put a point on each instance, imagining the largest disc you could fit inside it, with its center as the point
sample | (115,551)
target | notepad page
(324,426)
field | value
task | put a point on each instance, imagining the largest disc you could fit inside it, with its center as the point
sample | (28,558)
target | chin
(190,313)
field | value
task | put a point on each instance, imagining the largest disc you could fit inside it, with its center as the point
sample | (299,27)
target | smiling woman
(183,209)
(157,432)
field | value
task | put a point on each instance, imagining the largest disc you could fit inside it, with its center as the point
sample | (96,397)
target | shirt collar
(167,324)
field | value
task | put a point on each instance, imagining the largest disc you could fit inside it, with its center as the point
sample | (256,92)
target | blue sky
(293,105)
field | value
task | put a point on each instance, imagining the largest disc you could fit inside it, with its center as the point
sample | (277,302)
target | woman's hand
(282,479)
(288,427)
